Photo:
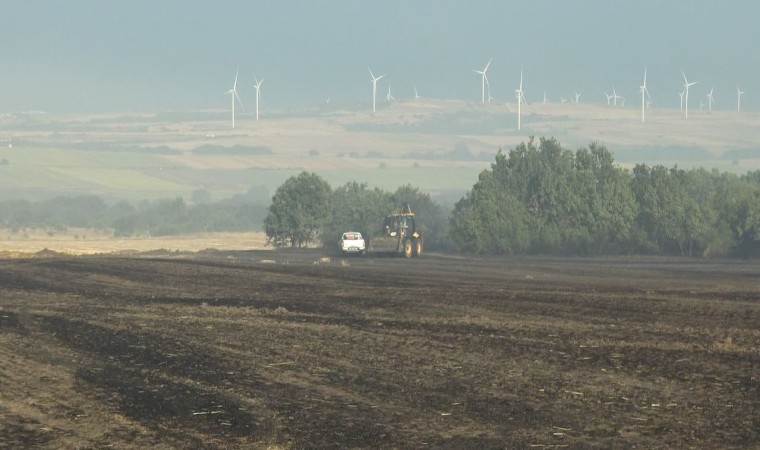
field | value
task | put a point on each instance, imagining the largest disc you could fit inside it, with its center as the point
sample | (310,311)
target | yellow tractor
(399,234)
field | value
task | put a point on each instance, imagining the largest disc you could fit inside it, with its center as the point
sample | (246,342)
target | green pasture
(41,172)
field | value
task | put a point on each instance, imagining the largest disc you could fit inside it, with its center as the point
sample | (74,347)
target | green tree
(300,208)
(356,207)
(491,220)
(608,207)
(543,198)
(738,207)
(677,209)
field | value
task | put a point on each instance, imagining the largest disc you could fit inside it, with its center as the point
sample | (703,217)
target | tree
(356,207)
(738,207)
(677,209)
(491,220)
(608,205)
(300,208)
(543,198)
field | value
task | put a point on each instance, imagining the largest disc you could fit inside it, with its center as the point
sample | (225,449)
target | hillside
(438,145)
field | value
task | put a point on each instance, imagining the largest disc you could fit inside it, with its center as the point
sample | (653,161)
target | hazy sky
(158,55)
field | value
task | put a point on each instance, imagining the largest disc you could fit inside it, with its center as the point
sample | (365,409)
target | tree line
(541,198)
(305,210)
(538,198)
(161,217)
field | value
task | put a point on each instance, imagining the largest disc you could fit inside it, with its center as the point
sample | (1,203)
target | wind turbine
(483,81)
(644,91)
(546,100)
(577,97)
(710,100)
(257,86)
(374,87)
(519,94)
(389,96)
(615,97)
(234,95)
(609,97)
(416,94)
(739,93)
(681,95)
(686,86)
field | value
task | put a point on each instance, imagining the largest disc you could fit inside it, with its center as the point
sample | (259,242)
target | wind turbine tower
(374,87)
(519,94)
(710,100)
(234,95)
(389,96)
(739,93)
(686,86)
(644,92)
(483,81)
(257,86)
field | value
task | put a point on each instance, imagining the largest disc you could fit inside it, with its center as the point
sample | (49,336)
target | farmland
(299,349)
(437,145)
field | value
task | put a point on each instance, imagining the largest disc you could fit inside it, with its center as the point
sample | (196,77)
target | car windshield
(351,236)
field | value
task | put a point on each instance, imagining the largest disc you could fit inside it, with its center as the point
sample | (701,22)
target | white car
(352,242)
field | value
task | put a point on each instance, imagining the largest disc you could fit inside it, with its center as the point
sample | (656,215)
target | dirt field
(284,350)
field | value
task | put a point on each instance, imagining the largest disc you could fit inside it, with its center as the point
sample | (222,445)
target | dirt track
(290,350)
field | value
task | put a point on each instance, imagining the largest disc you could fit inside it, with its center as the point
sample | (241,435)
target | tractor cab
(400,223)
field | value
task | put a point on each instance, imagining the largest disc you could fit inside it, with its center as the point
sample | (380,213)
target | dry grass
(85,242)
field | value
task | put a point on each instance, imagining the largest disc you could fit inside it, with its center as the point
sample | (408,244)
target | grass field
(53,155)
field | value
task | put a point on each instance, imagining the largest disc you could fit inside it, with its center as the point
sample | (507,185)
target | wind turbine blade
(489,63)
(236,77)
(239,101)
(370,73)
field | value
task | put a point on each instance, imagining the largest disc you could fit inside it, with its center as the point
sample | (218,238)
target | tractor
(399,234)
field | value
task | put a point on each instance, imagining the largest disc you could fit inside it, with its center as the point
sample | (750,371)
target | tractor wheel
(408,248)
(417,250)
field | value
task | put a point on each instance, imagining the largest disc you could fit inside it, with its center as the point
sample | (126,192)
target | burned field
(292,350)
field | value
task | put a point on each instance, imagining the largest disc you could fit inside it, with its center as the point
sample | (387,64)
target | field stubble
(297,350)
